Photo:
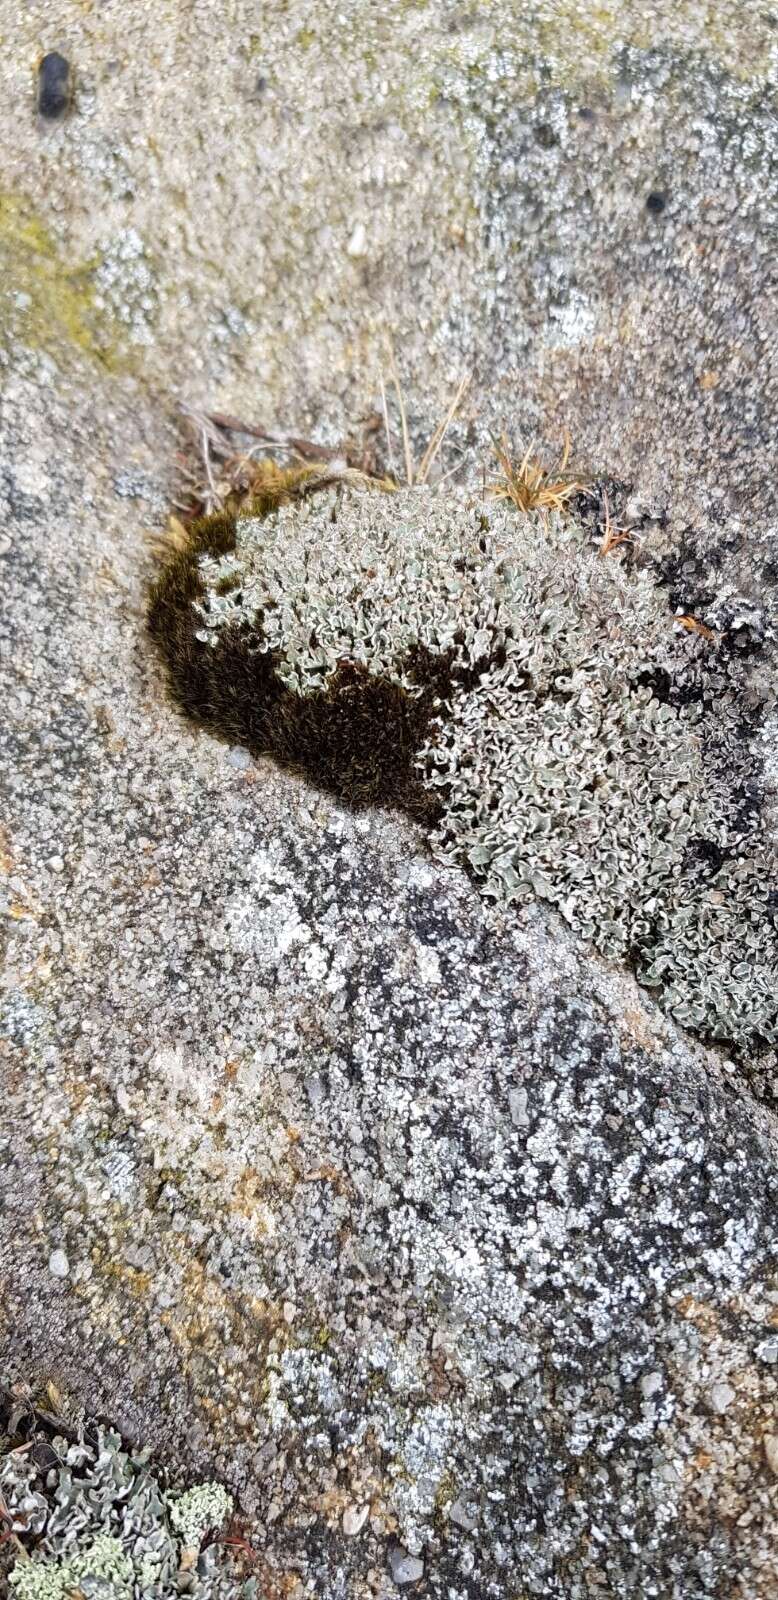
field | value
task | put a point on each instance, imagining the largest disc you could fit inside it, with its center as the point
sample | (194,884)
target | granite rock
(371,1194)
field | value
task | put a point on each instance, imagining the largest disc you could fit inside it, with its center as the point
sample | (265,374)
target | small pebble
(771,1451)
(238,757)
(721,1396)
(59,1265)
(403,1567)
(461,1513)
(650,1384)
(517,1102)
(354,1519)
(314,1089)
(767,1351)
(357,245)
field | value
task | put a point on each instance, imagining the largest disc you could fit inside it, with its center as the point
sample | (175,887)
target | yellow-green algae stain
(47,303)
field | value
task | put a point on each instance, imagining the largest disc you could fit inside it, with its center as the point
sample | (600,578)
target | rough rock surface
(315,1172)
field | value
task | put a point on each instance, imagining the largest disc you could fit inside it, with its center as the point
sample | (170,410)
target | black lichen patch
(692,581)
(55,86)
(705,857)
(356,738)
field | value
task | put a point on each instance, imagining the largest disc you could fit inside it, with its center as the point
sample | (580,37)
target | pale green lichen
(205,1506)
(103,1568)
(99,1522)
(563,775)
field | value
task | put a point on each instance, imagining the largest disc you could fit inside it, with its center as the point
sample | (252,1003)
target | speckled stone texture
(410,1219)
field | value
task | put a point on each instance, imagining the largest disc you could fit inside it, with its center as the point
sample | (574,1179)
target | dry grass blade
(441,431)
(389,450)
(409,474)
(215,474)
(530,485)
(414,475)
(272,439)
(205,490)
(214,493)
(693,625)
(612,537)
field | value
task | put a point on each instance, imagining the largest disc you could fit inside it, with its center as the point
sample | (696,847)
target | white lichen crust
(563,773)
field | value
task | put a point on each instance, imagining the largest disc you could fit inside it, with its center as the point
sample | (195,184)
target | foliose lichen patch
(534,693)
(93,1519)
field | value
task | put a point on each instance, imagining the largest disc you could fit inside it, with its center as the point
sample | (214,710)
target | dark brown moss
(357,737)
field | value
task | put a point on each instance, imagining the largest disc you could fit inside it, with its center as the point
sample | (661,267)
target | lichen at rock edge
(490,670)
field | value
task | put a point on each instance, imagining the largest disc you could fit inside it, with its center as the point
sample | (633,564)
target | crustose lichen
(487,669)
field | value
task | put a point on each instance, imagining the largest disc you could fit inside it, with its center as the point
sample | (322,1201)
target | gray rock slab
(371,1195)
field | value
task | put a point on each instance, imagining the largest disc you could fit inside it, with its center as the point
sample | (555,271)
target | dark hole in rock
(656,202)
(545,136)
